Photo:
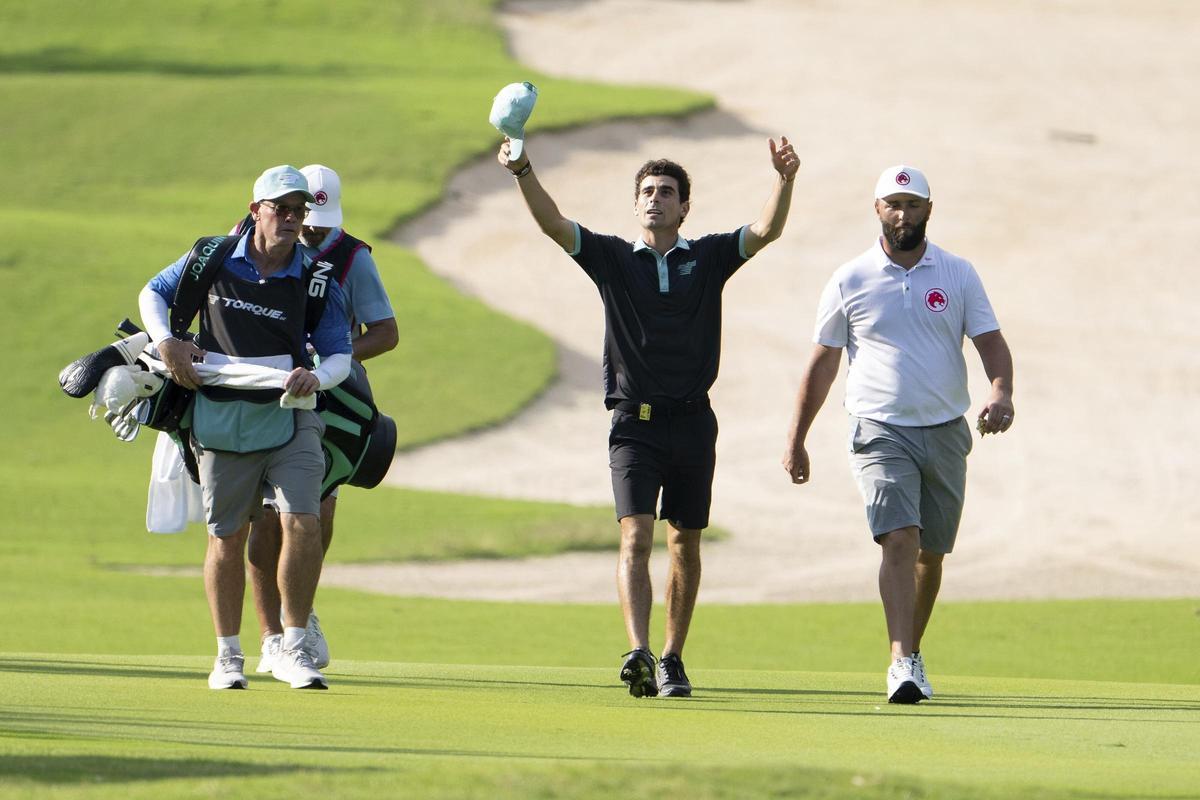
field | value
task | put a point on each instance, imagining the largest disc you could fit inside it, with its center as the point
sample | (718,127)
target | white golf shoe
(228,671)
(314,641)
(295,668)
(920,677)
(902,684)
(272,646)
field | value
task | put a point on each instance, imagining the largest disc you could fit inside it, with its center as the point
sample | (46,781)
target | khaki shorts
(232,483)
(912,477)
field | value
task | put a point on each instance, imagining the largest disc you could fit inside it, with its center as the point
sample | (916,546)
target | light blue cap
(510,112)
(279,181)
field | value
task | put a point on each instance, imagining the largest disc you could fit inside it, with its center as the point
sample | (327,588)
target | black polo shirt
(662,315)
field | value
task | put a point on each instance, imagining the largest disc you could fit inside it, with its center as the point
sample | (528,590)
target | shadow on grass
(86,769)
(435,681)
(65,666)
(57,60)
(65,723)
(785,692)
(1035,703)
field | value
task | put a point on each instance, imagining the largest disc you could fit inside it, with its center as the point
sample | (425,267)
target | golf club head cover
(81,376)
(121,385)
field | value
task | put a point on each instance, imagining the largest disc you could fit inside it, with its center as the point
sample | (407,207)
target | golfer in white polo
(901,310)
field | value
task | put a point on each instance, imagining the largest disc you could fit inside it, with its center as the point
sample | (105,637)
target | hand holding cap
(510,112)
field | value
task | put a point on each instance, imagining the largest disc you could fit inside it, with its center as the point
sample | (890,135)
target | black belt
(664,408)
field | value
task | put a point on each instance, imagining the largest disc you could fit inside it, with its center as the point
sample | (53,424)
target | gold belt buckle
(644,411)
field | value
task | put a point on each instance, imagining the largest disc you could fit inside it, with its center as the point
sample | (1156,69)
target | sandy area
(1061,151)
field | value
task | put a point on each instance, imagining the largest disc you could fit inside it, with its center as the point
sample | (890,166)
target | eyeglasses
(282,210)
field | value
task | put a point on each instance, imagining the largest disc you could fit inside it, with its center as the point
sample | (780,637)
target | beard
(904,238)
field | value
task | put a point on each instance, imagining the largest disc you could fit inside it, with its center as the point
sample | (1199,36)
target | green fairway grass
(105,726)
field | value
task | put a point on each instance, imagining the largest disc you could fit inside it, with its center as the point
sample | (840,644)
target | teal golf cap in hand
(510,112)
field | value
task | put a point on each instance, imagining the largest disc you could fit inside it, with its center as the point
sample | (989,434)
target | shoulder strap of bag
(199,272)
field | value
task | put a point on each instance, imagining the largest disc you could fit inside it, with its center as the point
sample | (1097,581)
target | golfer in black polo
(662,348)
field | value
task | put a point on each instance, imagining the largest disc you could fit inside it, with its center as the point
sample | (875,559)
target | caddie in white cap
(373,332)
(901,310)
(253,293)
(279,182)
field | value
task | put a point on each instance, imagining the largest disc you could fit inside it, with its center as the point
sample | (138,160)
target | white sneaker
(272,646)
(920,677)
(902,684)
(295,667)
(227,671)
(314,641)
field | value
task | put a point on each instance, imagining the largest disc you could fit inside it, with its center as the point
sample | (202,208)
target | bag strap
(199,271)
(316,278)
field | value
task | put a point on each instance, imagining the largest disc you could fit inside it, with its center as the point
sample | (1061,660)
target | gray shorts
(232,483)
(912,477)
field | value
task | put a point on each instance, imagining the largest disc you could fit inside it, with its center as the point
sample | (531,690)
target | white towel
(173,499)
(242,375)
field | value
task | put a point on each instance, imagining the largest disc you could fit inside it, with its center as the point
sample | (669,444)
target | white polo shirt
(903,332)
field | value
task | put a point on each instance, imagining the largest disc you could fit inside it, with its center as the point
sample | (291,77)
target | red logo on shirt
(935,300)
(902,178)
(320,198)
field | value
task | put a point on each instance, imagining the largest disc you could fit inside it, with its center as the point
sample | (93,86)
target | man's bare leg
(637,598)
(929,581)
(633,577)
(898,586)
(266,538)
(225,586)
(225,580)
(300,561)
(683,583)
(328,507)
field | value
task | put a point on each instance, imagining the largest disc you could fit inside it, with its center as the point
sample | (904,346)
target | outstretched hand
(511,165)
(784,158)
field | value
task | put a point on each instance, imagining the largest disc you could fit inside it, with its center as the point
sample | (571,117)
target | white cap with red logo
(325,211)
(901,179)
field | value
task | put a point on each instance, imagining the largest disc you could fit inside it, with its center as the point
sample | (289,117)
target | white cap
(326,187)
(510,112)
(279,181)
(901,179)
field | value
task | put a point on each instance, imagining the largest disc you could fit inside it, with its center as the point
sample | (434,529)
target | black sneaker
(672,680)
(638,673)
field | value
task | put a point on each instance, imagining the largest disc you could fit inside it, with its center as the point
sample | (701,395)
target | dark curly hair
(661,166)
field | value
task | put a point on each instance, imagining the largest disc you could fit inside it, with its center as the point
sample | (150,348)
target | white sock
(293,638)
(231,642)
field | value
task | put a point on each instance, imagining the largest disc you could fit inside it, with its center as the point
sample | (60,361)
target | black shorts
(676,454)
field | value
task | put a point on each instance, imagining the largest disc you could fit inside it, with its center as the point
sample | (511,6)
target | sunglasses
(282,210)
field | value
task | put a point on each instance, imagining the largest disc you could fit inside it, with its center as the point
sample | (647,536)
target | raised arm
(541,205)
(997,414)
(819,375)
(769,224)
